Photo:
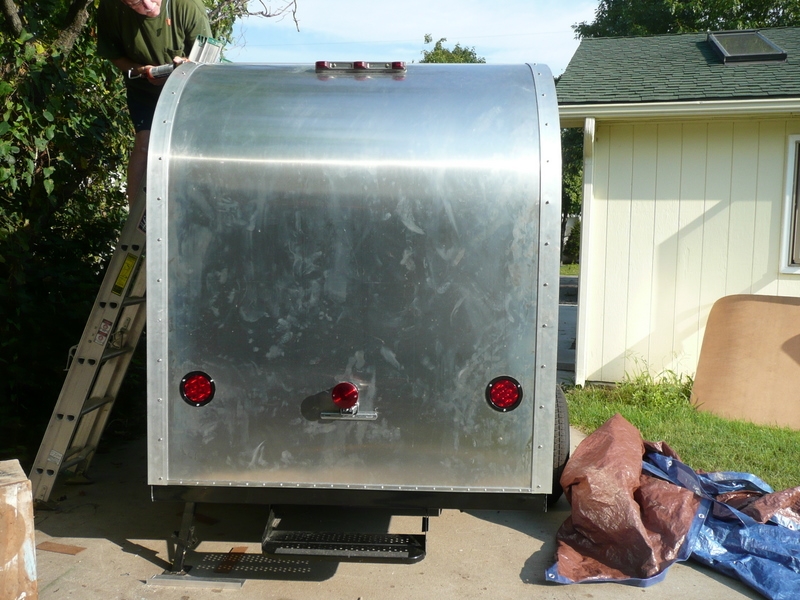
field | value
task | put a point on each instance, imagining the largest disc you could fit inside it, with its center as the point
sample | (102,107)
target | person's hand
(140,71)
(158,81)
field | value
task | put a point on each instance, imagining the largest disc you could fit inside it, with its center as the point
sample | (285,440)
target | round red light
(504,393)
(345,395)
(197,388)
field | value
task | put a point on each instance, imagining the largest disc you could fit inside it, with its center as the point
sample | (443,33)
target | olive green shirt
(122,32)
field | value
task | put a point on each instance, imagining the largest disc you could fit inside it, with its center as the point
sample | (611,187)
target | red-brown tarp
(636,509)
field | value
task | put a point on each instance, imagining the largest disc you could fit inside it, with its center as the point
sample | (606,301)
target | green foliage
(571,177)
(440,54)
(221,16)
(660,408)
(649,17)
(63,139)
(572,247)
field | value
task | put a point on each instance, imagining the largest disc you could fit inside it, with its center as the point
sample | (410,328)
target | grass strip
(660,408)
(571,269)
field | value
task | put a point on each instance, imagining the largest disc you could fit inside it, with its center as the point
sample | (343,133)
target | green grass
(574,269)
(660,409)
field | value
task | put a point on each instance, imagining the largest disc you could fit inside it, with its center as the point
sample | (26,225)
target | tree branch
(240,9)
(77,17)
(11,13)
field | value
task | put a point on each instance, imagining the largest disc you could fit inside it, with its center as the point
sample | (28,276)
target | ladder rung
(131,300)
(114,353)
(82,452)
(94,404)
(70,453)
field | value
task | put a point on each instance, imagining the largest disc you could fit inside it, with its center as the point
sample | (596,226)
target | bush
(572,247)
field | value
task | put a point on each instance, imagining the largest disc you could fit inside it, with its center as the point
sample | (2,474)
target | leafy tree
(440,54)
(64,140)
(572,246)
(649,17)
(571,179)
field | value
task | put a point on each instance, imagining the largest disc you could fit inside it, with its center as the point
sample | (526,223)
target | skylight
(745,46)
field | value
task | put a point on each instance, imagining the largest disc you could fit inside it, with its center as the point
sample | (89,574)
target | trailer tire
(560,445)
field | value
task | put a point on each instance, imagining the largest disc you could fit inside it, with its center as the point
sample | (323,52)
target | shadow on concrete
(541,526)
(117,508)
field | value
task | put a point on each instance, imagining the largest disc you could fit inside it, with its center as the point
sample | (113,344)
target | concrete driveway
(118,537)
(477,554)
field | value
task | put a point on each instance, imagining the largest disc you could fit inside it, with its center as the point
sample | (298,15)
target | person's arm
(126,65)
(111,47)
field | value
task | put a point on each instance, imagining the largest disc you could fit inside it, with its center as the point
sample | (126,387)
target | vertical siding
(714,272)
(773,138)
(592,313)
(641,250)
(744,179)
(691,206)
(618,228)
(683,214)
(665,245)
(788,285)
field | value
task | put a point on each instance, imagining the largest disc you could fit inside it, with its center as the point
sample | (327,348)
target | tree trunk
(11,13)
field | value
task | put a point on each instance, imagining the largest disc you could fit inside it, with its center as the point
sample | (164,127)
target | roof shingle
(674,68)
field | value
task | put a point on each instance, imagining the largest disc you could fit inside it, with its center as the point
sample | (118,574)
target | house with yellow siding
(691,177)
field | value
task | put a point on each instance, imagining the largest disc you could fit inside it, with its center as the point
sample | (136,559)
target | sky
(505,32)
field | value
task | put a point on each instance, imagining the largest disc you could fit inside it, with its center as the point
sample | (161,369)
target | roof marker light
(359,66)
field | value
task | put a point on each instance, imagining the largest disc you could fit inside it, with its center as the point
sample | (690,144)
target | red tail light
(197,388)
(504,393)
(345,395)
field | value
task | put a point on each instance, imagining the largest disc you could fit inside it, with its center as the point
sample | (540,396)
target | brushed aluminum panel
(385,231)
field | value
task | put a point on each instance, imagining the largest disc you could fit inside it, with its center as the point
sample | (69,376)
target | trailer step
(388,547)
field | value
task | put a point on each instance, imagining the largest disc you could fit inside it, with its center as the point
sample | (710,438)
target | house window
(790,246)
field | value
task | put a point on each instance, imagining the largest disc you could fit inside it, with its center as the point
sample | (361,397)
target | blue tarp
(764,555)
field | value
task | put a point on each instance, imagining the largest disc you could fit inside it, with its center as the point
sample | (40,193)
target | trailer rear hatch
(353,281)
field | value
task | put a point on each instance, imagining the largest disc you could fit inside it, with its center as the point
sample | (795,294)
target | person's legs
(141,106)
(137,165)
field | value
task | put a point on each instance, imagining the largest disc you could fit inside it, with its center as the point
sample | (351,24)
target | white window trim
(792,176)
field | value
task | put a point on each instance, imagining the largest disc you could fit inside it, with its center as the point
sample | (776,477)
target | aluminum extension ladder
(102,357)
(99,363)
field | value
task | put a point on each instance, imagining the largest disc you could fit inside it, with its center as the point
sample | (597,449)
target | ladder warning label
(103,332)
(124,275)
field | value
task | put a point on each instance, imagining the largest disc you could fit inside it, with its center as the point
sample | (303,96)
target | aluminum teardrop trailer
(352,274)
